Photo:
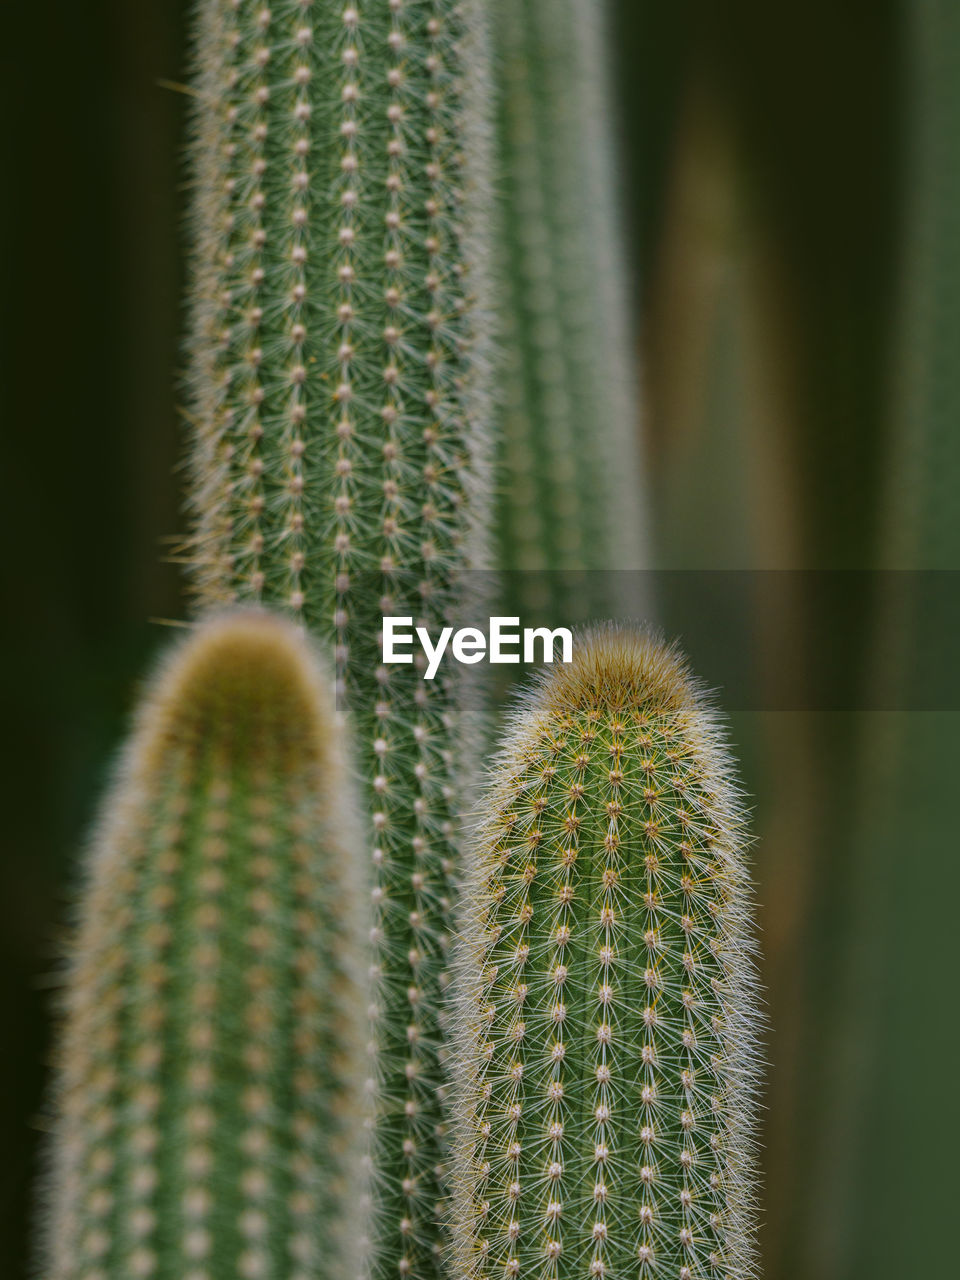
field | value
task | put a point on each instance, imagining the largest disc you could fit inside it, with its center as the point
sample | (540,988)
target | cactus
(726,436)
(571,492)
(874,1171)
(208,1120)
(333,350)
(607,997)
(726,495)
(337,391)
(919,495)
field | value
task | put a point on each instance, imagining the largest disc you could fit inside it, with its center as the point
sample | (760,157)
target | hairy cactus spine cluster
(607,1001)
(337,393)
(571,492)
(209,1102)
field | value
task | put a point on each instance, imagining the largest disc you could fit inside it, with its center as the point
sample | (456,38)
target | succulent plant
(333,355)
(208,1118)
(337,387)
(875,1175)
(925,458)
(607,995)
(572,497)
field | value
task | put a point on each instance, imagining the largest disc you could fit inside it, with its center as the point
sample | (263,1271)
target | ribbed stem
(571,491)
(607,1002)
(925,447)
(209,1118)
(337,381)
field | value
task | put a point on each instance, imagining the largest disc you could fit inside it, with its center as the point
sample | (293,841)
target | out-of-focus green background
(771,197)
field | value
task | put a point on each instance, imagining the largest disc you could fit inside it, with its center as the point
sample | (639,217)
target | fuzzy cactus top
(607,997)
(208,1121)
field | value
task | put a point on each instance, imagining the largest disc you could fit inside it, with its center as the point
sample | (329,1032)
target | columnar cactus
(571,492)
(925,531)
(608,1001)
(726,493)
(337,385)
(333,354)
(209,1114)
(906,766)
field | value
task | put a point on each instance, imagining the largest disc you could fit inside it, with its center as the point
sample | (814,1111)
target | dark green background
(811,96)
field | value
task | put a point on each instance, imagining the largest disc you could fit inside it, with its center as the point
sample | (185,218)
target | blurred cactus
(210,1071)
(608,1001)
(721,420)
(726,439)
(337,386)
(871,1174)
(924,520)
(572,496)
(334,282)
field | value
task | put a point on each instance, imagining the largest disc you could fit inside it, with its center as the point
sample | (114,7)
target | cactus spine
(608,999)
(337,388)
(572,498)
(210,1080)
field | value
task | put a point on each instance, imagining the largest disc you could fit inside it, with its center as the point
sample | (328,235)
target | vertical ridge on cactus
(209,1098)
(572,497)
(607,998)
(337,385)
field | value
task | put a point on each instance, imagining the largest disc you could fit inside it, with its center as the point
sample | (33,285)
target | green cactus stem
(571,490)
(334,298)
(875,1174)
(337,393)
(608,1001)
(209,1097)
(919,499)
